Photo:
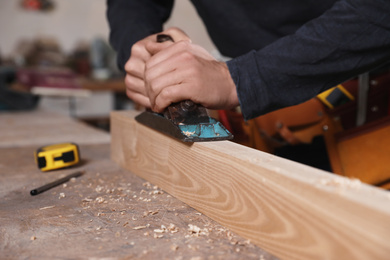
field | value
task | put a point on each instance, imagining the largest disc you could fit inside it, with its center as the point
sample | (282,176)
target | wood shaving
(174,247)
(171,228)
(139,227)
(147,185)
(157,236)
(48,207)
(352,183)
(99,200)
(160,230)
(197,231)
(62,195)
(150,213)
(188,133)
(87,200)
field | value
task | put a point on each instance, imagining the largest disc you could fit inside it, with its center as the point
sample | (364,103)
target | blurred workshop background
(55,55)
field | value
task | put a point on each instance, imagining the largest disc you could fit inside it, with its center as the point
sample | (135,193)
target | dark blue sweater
(284,51)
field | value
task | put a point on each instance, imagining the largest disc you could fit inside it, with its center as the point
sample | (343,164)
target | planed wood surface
(290,210)
(108,213)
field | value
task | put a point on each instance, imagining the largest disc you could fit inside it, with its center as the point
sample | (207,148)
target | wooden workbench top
(106,213)
(39,127)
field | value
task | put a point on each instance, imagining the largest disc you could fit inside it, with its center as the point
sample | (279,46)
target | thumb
(177,34)
(155,47)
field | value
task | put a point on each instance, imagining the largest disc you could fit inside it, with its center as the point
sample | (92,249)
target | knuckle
(133,66)
(166,94)
(187,56)
(137,47)
(172,29)
(154,86)
(129,66)
(184,45)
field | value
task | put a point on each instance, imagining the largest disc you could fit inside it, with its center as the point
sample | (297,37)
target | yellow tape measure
(57,156)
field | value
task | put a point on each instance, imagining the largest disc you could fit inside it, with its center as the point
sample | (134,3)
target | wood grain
(290,210)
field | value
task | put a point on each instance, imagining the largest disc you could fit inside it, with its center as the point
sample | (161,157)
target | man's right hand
(135,66)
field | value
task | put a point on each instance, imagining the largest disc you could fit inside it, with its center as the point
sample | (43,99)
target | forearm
(133,20)
(350,38)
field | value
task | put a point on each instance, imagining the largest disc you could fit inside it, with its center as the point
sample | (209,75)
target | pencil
(55,183)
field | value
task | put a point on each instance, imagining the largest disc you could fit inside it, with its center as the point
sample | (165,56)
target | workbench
(107,213)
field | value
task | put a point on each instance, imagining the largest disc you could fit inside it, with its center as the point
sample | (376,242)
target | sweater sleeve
(133,20)
(350,38)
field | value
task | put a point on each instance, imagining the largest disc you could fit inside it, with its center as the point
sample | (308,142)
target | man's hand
(135,66)
(182,70)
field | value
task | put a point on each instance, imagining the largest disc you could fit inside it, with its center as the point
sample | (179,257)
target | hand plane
(185,120)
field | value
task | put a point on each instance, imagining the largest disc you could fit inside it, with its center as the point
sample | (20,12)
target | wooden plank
(290,210)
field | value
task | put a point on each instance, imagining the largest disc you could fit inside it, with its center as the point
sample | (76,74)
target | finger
(156,84)
(169,95)
(155,47)
(138,49)
(135,84)
(139,55)
(168,72)
(165,53)
(135,67)
(139,99)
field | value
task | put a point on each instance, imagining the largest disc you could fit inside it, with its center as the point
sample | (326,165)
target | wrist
(233,100)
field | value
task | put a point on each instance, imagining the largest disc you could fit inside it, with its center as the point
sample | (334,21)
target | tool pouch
(289,126)
(357,152)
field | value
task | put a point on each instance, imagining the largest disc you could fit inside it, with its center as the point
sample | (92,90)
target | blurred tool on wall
(37,5)
(41,65)
(14,99)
